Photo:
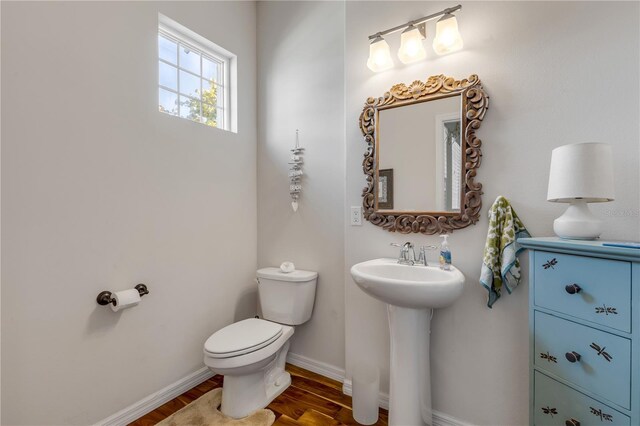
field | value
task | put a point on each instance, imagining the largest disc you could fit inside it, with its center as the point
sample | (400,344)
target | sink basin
(411,292)
(418,287)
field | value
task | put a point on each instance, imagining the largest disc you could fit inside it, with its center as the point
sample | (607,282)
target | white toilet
(251,353)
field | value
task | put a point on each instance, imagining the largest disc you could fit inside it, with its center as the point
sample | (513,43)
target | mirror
(419,148)
(422,155)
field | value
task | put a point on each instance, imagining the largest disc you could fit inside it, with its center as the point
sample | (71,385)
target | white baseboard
(441,419)
(153,401)
(322,368)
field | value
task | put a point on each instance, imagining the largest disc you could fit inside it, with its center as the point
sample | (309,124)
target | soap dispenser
(445,254)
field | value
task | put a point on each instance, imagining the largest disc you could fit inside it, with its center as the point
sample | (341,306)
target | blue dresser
(584,322)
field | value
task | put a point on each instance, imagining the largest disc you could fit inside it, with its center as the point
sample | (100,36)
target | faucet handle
(395,245)
(422,258)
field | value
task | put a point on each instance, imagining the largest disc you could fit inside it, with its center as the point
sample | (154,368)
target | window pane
(209,115)
(167,49)
(189,84)
(167,102)
(210,70)
(189,108)
(210,92)
(168,75)
(189,60)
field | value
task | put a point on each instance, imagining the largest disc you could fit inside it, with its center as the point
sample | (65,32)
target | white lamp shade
(448,38)
(581,171)
(411,47)
(379,55)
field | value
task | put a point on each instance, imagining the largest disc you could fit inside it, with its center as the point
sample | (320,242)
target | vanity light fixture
(379,55)
(411,50)
(448,38)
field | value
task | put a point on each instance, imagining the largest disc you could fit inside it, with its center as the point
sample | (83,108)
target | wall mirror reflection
(421,144)
(422,155)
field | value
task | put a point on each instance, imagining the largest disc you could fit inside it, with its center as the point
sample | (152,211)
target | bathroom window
(194,76)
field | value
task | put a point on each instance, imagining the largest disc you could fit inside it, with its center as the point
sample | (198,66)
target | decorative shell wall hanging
(295,172)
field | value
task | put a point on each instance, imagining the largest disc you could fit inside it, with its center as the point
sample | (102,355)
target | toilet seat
(242,337)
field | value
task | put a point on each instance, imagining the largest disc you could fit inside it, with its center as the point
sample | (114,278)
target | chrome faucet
(408,255)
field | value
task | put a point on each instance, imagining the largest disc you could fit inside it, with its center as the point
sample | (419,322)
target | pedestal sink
(411,292)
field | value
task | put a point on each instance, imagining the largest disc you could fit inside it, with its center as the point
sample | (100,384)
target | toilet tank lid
(295,276)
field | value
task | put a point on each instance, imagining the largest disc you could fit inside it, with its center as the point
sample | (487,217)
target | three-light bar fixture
(411,50)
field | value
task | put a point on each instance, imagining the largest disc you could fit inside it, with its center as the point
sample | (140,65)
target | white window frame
(183,36)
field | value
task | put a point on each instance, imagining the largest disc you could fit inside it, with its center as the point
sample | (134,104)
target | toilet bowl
(251,354)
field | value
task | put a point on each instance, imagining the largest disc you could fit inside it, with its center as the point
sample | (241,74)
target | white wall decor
(295,172)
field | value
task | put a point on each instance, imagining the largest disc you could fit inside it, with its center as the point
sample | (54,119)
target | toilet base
(242,394)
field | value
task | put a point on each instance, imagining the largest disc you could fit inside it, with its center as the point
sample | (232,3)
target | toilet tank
(286,298)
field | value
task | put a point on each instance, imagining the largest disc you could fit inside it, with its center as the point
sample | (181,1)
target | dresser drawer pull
(607,310)
(601,351)
(603,416)
(550,263)
(572,356)
(573,289)
(572,422)
(549,410)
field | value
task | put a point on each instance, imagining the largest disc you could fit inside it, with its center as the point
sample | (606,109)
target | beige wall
(101,191)
(556,73)
(301,86)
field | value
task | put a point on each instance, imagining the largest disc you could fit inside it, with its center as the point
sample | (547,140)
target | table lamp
(580,174)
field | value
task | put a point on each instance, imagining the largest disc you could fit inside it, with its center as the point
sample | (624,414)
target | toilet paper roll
(287,267)
(125,299)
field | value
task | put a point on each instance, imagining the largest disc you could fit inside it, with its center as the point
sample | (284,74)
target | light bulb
(448,38)
(379,55)
(411,48)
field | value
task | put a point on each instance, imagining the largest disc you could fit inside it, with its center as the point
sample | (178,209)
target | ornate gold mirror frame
(474,106)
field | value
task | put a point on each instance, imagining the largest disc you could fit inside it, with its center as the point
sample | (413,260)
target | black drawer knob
(572,356)
(572,422)
(573,289)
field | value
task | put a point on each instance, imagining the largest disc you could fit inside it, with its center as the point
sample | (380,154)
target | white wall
(301,86)
(101,191)
(556,73)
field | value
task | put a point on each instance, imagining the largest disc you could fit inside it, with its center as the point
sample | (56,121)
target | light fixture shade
(448,38)
(411,48)
(581,171)
(379,55)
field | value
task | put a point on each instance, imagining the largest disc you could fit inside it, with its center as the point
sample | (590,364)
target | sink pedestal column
(410,375)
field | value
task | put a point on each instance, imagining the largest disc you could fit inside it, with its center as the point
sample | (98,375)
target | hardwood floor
(311,400)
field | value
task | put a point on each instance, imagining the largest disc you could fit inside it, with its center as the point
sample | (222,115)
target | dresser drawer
(601,361)
(604,295)
(555,404)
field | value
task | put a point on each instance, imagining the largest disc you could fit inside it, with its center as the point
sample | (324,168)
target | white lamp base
(578,223)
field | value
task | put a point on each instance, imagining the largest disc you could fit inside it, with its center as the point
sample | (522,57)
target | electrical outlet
(356,216)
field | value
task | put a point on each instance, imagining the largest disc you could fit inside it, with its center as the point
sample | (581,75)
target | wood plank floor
(311,400)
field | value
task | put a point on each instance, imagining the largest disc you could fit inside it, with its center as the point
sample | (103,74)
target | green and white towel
(500,263)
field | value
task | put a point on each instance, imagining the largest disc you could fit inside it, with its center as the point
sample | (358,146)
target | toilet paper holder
(104,298)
